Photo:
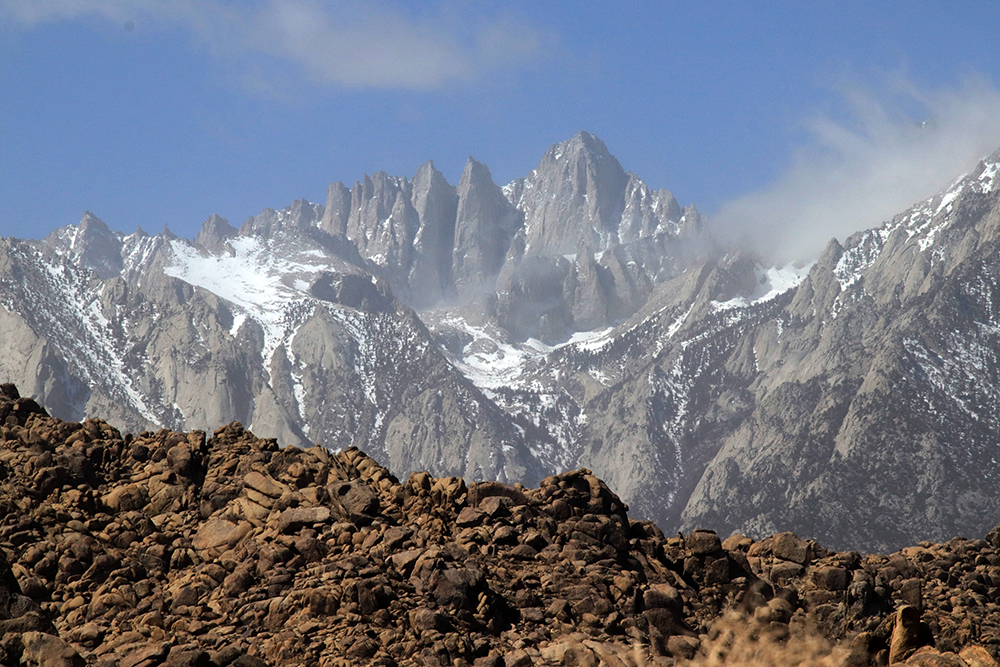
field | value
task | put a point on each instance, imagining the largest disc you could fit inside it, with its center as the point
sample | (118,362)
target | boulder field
(184,550)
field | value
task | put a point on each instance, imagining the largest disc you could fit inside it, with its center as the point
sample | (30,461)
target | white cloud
(32,12)
(374,48)
(344,43)
(895,148)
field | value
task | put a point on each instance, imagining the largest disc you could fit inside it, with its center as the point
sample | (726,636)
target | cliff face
(485,226)
(874,387)
(573,318)
(579,196)
(273,330)
(300,321)
(441,245)
(175,548)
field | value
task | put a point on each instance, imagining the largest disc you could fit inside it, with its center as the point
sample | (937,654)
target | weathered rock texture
(175,549)
(304,344)
(438,328)
(859,408)
(300,321)
(442,244)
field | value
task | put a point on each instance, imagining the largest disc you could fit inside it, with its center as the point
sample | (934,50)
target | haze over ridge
(888,149)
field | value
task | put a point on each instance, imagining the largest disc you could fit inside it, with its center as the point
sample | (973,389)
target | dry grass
(736,641)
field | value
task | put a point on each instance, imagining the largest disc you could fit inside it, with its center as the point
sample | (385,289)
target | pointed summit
(485,225)
(583,142)
(580,195)
(96,247)
(577,194)
(475,173)
(89,221)
(436,203)
(214,233)
(337,210)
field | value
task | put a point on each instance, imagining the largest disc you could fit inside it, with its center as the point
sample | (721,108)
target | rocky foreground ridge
(176,549)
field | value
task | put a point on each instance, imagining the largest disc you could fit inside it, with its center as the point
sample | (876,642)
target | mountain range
(572,318)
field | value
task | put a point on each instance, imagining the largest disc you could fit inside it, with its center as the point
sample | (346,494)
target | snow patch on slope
(70,304)
(925,222)
(855,260)
(263,281)
(491,362)
(770,283)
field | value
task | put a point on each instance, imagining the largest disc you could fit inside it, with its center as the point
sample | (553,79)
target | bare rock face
(575,195)
(214,233)
(484,228)
(436,203)
(90,244)
(383,222)
(439,244)
(530,301)
(337,211)
(360,292)
(150,549)
(579,195)
(874,391)
(301,215)
(647,213)
(599,231)
(585,290)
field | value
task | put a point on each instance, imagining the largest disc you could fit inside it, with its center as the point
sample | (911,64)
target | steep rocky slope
(278,331)
(300,321)
(175,549)
(573,318)
(852,400)
(874,388)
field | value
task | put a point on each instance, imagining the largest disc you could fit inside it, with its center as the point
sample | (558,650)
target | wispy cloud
(360,44)
(892,148)
(32,12)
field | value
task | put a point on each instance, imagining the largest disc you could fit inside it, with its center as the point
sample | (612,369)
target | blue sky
(802,119)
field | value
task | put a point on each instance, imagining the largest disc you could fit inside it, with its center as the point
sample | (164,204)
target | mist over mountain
(891,144)
(574,317)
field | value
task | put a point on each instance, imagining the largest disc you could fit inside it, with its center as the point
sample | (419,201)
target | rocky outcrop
(599,232)
(647,213)
(576,196)
(91,245)
(531,302)
(300,215)
(383,222)
(438,244)
(484,228)
(337,211)
(172,548)
(214,233)
(436,203)
(579,196)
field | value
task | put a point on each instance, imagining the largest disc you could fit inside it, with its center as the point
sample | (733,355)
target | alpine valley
(573,318)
